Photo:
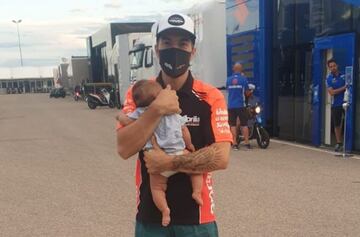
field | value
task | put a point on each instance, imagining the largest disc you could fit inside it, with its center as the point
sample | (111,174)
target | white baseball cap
(176,21)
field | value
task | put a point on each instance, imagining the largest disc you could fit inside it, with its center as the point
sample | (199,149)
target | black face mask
(174,62)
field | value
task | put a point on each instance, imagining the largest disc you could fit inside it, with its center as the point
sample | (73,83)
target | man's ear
(193,52)
(157,50)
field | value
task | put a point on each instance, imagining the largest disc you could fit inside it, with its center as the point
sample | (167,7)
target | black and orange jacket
(206,110)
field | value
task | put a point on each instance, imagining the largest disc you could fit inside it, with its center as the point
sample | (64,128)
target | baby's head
(144,92)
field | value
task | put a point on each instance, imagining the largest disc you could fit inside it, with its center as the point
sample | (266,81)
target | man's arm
(207,159)
(333,92)
(132,138)
(211,158)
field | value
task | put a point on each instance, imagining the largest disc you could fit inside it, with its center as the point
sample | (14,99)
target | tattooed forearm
(204,160)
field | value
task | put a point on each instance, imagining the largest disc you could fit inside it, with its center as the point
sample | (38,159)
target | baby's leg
(158,185)
(197,182)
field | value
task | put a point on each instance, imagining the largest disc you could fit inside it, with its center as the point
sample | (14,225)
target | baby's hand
(190,148)
(123,119)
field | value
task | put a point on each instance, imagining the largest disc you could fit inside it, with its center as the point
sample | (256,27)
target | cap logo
(176,20)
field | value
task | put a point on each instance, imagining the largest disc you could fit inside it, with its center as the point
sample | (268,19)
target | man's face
(333,67)
(175,39)
(237,68)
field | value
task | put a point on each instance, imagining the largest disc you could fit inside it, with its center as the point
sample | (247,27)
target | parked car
(57,92)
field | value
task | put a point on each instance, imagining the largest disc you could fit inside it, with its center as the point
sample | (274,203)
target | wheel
(111,104)
(91,104)
(76,98)
(264,139)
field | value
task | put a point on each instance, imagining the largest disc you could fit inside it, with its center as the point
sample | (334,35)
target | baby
(172,136)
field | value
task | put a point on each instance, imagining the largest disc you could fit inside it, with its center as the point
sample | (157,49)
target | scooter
(104,98)
(256,130)
(77,96)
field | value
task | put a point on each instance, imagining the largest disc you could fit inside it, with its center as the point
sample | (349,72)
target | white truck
(209,64)
(128,54)
(210,61)
(78,71)
(143,63)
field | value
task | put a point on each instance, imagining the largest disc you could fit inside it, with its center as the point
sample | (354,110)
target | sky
(51,30)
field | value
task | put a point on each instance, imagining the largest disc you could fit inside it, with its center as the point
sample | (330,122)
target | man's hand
(333,92)
(166,102)
(156,160)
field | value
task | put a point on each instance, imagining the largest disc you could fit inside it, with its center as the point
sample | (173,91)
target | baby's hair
(143,92)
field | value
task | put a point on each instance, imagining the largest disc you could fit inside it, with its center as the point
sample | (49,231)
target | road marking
(311,148)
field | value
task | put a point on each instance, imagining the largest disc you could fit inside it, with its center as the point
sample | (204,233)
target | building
(26,79)
(72,72)
(284,45)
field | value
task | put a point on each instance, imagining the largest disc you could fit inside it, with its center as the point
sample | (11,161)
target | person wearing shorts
(336,87)
(237,87)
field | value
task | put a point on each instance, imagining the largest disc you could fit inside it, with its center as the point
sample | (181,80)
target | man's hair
(331,61)
(142,92)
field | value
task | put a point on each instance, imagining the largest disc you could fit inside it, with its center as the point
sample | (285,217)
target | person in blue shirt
(237,87)
(336,87)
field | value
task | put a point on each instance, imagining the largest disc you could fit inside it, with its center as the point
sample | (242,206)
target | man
(207,122)
(336,88)
(240,69)
(238,87)
(251,99)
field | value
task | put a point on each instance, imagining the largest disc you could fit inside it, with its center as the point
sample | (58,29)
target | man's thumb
(154,143)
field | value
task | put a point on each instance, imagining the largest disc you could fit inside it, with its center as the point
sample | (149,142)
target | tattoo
(204,160)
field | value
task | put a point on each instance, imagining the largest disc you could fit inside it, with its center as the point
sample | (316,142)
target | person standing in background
(237,87)
(336,88)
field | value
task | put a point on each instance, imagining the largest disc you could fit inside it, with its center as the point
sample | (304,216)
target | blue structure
(249,42)
(343,47)
(284,46)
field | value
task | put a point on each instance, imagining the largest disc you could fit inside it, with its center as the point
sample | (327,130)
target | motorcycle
(256,130)
(57,92)
(103,98)
(77,96)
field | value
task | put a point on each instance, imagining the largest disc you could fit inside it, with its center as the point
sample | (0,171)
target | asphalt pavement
(60,175)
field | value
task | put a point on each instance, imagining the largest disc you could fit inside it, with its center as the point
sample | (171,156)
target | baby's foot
(197,197)
(166,217)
